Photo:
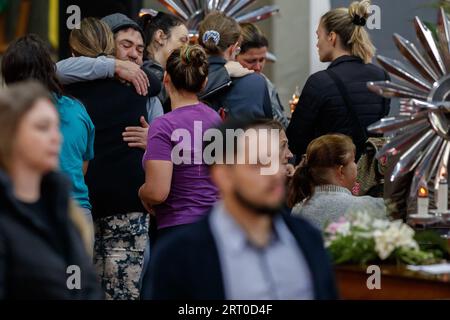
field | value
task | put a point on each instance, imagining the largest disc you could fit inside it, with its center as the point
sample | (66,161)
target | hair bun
(359,12)
(193,56)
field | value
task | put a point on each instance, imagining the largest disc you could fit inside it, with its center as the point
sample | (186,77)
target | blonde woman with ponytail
(337,100)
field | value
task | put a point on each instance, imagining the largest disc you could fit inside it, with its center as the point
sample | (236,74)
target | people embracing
(115,174)
(246,97)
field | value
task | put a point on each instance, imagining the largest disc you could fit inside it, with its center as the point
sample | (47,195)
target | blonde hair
(93,39)
(354,37)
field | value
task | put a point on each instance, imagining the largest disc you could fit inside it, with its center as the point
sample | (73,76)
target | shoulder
(161,123)
(370,203)
(318,84)
(74,107)
(253,77)
(210,112)
(251,81)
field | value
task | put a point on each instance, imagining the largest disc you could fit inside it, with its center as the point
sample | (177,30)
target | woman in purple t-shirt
(177,181)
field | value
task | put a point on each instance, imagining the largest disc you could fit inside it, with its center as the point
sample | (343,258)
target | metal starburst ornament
(192,12)
(422,129)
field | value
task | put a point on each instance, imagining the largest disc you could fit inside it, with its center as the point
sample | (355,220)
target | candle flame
(423,192)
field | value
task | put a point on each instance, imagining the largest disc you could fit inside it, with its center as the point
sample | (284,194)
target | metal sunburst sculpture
(192,12)
(422,129)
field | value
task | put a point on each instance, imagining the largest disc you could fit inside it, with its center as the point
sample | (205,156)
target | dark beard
(256,208)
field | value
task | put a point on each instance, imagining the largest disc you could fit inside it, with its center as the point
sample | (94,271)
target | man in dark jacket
(322,108)
(248,247)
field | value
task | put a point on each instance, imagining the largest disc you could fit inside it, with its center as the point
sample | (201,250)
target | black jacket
(245,97)
(321,109)
(34,256)
(115,174)
(186,264)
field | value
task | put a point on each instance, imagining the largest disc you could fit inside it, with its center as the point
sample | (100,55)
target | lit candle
(442,196)
(295,99)
(422,201)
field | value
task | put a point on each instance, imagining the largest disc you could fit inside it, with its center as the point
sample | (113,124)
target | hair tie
(187,55)
(359,21)
(211,34)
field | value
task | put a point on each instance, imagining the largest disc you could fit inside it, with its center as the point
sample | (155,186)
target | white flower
(380,224)
(397,235)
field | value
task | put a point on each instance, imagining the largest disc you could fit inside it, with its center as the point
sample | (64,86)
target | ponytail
(301,186)
(350,24)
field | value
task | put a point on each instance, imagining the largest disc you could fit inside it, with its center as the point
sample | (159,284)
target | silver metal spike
(259,14)
(400,70)
(239,6)
(389,89)
(395,123)
(443,165)
(426,39)
(403,140)
(189,5)
(443,27)
(423,170)
(410,52)
(412,156)
(175,9)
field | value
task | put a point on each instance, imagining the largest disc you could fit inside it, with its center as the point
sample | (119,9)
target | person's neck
(335,182)
(179,99)
(258,227)
(340,53)
(26,183)
(158,57)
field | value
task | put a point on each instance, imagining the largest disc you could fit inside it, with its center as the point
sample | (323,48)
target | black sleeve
(301,130)
(155,84)
(216,79)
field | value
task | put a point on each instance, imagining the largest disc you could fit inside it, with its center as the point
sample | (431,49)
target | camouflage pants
(120,243)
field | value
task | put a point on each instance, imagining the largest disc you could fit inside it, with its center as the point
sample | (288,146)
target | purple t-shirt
(192,193)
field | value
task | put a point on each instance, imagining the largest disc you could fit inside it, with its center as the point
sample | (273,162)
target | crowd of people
(101,166)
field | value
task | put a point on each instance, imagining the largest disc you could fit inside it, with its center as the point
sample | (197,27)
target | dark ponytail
(301,186)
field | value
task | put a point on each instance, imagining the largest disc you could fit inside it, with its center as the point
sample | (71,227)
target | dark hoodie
(37,248)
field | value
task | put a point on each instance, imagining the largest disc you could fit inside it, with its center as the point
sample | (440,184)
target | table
(397,283)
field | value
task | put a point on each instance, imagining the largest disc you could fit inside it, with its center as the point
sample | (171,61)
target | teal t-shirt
(78,145)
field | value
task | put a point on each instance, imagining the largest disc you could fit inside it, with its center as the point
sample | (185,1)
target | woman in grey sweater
(320,190)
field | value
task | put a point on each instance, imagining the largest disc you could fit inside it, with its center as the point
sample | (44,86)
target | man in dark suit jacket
(248,247)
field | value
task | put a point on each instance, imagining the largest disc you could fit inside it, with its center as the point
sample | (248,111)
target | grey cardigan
(330,202)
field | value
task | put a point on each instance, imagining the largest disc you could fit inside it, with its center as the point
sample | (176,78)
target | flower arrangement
(363,238)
